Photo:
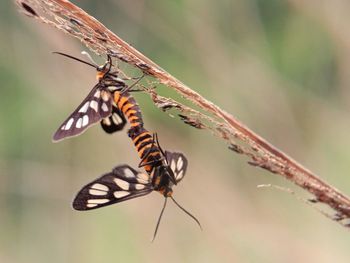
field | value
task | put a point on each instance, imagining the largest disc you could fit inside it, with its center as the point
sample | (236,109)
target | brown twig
(69,18)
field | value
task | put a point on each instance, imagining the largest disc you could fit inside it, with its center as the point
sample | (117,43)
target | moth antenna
(132,85)
(159,218)
(109,62)
(89,57)
(188,213)
(75,58)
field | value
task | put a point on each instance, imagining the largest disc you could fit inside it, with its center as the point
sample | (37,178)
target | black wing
(178,164)
(96,106)
(123,183)
(115,122)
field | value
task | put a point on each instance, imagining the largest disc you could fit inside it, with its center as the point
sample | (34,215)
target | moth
(98,106)
(124,183)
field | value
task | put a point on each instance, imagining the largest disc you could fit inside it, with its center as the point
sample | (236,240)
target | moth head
(100,73)
(163,180)
(166,190)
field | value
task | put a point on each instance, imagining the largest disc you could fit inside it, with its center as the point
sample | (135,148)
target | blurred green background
(282,67)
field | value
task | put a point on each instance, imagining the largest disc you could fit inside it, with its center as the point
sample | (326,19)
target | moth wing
(115,122)
(178,164)
(96,106)
(122,184)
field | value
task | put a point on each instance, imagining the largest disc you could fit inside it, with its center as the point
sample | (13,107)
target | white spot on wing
(97,93)
(120,194)
(180,163)
(97,192)
(85,120)
(179,175)
(173,165)
(91,205)
(143,178)
(78,124)
(97,201)
(128,173)
(94,105)
(105,96)
(139,186)
(84,108)
(122,184)
(101,187)
(116,118)
(68,124)
(107,121)
(104,107)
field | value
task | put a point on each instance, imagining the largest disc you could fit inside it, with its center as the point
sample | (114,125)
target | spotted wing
(96,106)
(123,183)
(178,164)
(115,122)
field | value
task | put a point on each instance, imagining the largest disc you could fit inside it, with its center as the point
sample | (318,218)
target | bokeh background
(282,67)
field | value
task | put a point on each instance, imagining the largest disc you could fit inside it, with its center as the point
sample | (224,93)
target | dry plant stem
(67,17)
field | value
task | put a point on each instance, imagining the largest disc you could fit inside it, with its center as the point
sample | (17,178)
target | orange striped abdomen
(147,149)
(131,110)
